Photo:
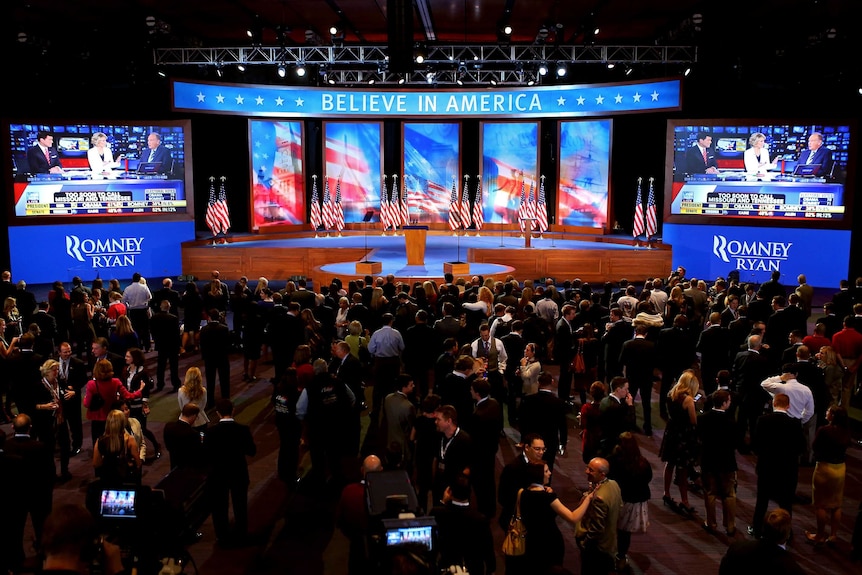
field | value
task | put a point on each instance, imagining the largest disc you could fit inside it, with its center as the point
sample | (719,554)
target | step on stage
(321,257)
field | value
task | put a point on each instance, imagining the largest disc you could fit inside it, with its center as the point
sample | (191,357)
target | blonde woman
(116,457)
(833,371)
(12,317)
(193,391)
(484,302)
(529,370)
(679,447)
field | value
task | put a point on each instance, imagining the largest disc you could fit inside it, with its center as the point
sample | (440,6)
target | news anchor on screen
(157,153)
(817,154)
(700,158)
(756,157)
(100,157)
(42,157)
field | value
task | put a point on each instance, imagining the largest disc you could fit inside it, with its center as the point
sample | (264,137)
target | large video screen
(510,163)
(278,189)
(725,170)
(354,167)
(432,162)
(96,171)
(585,153)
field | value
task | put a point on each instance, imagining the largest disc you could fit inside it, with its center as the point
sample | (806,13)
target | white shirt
(801,399)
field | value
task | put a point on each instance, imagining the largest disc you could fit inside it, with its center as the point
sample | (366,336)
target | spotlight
(543,69)
(420,58)
(240,67)
(629,70)
(531,81)
(507,30)
(333,30)
(492,81)
(401,80)
(561,69)
(22,37)
(219,71)
(300,70)
(281,70)
(687,72)
(332,80)
(162,73)
(429,77)
(611,65)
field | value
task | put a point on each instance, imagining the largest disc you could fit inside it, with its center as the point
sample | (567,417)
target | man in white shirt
(801,402)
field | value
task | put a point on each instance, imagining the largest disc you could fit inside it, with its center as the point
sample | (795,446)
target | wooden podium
(414,238)
(528,230)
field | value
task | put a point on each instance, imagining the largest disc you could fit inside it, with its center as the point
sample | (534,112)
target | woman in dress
(680,447)
(341,321)
(193,391)
(833,371)
(133,428)
(540,508)
(633,473)
(109,388)
(116,457)
(590,422)
(12,317)
(313,334)
(529,370)
(136,374)
(100,158)
(123,337)
(827,483)
(193,311)
(302,363)
(215,297)
(589,346)
(83,332)
(675,305)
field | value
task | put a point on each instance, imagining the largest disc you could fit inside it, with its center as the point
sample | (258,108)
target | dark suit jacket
(675,351)
(163,155)
(512,478)
(639,359)
(184,444)
(564,342)
(165,329)
(37,161)
(615,417)
(716,352)
(25,301)
(613,340)
(22,367)
(169,294)
(77,379)
(447,326)
(484,426)
(215,342)
(758,557)
(716,430)
(514,344)
(545,413)
(778,443)
(822,157)
(455,391)
(465,538)
(227,444)
(33,477)
(47,332)
(118,362)
(352,374)
(694,163)
(749,370)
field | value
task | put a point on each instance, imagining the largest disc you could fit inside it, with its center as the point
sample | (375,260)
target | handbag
(578,365)
(97,402)
(515,541)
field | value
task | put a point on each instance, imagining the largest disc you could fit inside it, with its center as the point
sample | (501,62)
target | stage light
(219,71)
(420,58)
(507,30)
(333,30)
(300,70)
(240,67)
(611,65)
(161,73)
(543,69)
(281,70)
(561,69)
(687,72)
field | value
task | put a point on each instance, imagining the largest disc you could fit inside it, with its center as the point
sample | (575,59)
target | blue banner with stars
(522,102)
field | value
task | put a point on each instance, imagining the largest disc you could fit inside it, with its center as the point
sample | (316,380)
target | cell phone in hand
(698,397)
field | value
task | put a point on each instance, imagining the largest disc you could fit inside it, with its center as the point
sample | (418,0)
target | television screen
(353,169)
(278,189)
(118,504)
(584,178)
(718,172)
(74,179)
(419,530)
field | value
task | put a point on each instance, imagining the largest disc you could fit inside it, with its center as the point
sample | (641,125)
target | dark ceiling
(83,44)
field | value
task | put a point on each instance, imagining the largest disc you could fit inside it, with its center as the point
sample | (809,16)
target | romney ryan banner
(487,103)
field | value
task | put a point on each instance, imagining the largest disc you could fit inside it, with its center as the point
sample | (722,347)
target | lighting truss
(353,64)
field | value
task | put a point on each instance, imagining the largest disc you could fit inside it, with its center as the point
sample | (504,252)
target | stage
(561,255)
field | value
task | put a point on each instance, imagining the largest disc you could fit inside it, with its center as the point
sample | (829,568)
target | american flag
(638,226)
(405,205)
(394,210)
(315,219)
(531,206)
(217,216)
(454,220)
(384,205)
(338,210)
(542,208)
(464,212)
(522,207)
(328,215)
(478,206)
(651,223)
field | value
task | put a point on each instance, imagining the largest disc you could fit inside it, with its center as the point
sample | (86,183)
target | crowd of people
(736,369)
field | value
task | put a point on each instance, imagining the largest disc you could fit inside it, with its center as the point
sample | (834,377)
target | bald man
(596,533)
(351,517)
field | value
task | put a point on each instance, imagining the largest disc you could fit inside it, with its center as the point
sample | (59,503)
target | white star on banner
(581,100)
(220,99)
(201,97)
(299,102)
(618,99)
(654,96)
(600,100)
(259,101)
(279,101)
(561,101)
(636,97)
(240,99)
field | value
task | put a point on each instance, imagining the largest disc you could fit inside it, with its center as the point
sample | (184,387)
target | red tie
(704,156)
(48,157)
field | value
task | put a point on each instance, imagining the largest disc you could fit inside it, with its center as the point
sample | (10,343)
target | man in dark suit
(348,369)
(284,334)
(750,368)
(514,344)
(716,352)
(23,370)
(72,378)
(166,293)
(156,152)
(32,484)
(842,303)
(7,288)
(544,413)
(700,157)
(228,444)
(718,461)
(616,414)
(638,359)
(25,301)
(617,332)
(99,351)
(675,352)
(463,533)
(564,351)
(817,154)
(484,426)
(456,450)
(420,353)
(765,555)
(514,475)
(42,157)
(303,296)
(215,351)
(448,325)
(165,329)
(740,328)
(183,442)
(46,340)
(778,443)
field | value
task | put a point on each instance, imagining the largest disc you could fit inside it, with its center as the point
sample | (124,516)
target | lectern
(414,238)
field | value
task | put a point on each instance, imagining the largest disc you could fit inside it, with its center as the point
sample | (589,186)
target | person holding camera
(71,543)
